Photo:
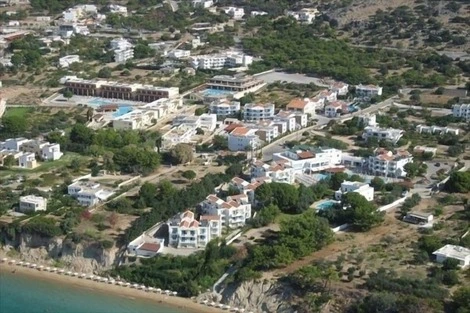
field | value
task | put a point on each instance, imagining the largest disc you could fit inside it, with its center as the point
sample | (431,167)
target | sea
(22,294)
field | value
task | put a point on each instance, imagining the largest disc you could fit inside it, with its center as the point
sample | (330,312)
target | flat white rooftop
(455,252)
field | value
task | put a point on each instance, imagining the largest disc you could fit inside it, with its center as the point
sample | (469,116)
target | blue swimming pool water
(216,92)
(96,102)
(319,177)
(122,110)
(327,204)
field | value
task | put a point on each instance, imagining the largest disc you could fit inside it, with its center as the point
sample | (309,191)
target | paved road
(414,107)
(277,146)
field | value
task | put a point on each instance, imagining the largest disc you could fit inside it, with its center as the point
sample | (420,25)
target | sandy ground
(130,293)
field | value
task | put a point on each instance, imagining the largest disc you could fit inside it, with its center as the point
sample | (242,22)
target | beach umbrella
(219,305)
(12,261)
(212,303)
(69,273)
(158,290)
(150,289)
(75,274)
(82,275)
(127,284)
(135,286)
(40,267)
(90,276)
(104,279)
(111,281)
(48,269)
(54,269)
(34,265)
(120,283)
(175,293)
(4,259)
(167,291)
(142,287)
(19,263)
(27,264)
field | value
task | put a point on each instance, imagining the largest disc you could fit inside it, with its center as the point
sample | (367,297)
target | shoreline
(112,289)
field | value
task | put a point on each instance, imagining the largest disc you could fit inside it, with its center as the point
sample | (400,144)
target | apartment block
(258,112)
(88,193)
(186,232)
(224,107)
(235,210)
(32,204)
(340,88)
(336,108)
(461,110)
(388,164)
(202,3)
(243,138)
(27,160)
(235,13)
(353,186)
(436,130)
(279,172)
(220,60)
(306,159)
(387,134)
(238,83)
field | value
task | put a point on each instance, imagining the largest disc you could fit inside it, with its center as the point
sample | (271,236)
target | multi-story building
(235,13)
(136,119)
(279,172)
(186,232)
(423,149)
(340,88)
(266,131)
(202,3)
(178,134)
(258,111)
(258,13)
(117,9)
(123,50)
(32,204)
(306,159)
(238,83)
(114,90)
(304,105)
(294,120)
(51,152)
(243,138)
(224,107)
(386,163)
(27,160)
(88,193)
(368,91)
(353,186)
(461,110)
(179,54)
(367,119)
(235,211)
(436,130)
(215,61)
(13,144)
(328,95)
(336,108)
(387,134)
(204,121)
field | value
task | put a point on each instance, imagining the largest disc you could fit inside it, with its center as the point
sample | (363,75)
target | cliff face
(263,296)
(86,257)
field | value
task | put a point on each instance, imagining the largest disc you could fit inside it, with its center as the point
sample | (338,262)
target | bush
(107,244)
(190,175)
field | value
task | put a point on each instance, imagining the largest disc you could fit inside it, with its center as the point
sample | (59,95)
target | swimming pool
(216,92)
(97,102)
(122,110)
(327,204)
(319,177)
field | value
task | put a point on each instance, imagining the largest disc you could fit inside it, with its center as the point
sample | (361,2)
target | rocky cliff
(86,257)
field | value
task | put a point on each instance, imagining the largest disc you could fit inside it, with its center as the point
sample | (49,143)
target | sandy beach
(127,292)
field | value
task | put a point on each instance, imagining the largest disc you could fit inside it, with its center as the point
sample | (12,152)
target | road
(414,107)
(277,146)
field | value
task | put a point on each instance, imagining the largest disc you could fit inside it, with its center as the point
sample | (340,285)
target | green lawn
(17,111)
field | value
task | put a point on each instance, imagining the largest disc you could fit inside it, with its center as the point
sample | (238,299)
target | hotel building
(309,159)
(238,83)
(186,232)
(385,163)
(234,211)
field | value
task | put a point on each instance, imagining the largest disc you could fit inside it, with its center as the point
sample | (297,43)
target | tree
(364,213)
(267,215)
(80,134)
(9,161)
(414,169)
(199,111)
(132,159)
(461,299)
(235,169)
(182,153)
(105,72)
(14,125)
(377,183)
(220,142)
(336,179)
(89,114)
(458,182)
(190,175)
(67,94)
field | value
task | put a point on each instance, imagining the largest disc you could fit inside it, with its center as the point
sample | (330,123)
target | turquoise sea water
(21,294)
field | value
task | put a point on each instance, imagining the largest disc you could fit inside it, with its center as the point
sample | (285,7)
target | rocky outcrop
(86,257)
(267,296)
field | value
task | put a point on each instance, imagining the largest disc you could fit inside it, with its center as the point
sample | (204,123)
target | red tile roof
(240,131)
(305,155)
(297,103)
(153,247)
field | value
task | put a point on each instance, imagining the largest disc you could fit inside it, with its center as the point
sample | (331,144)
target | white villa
(293,120)
(278,172)
(235,13)
(458,253)
(145,246)
(88,193)
(306,15)
(304,105)
(309,159)
(243,138)
(385,163)
(186,232)
(353,186)
(461,110)
(217,61)
(336,108)
(368,91)
(234,211)
(32,204)
(388,134)
(368,119)
(67,60)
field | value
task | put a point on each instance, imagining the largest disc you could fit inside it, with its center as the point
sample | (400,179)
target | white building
(279,172)
(41,149)
(304,105)
(204,121)
(423,149)
(178,134)
(65,61)
(461,110)
(224,107)
(353,186)
(13,144)
(327,95)
(340,88)
(436,130)
(123,50)
(234,211)
(145,246)
(458,253)
(243,138)
(294,120)
(202,3)
(336,108)
(51,152)
(88,193)
(368,91)
(32,204)
(387,134)
(266,131)
(186,232)
(220,60)
(309,159)
(179,54)
(117,9)
(235,13)
(258,13)
(136,119)
(368,119)
(27,160)
(385,163)
(306,15)
(258,112)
